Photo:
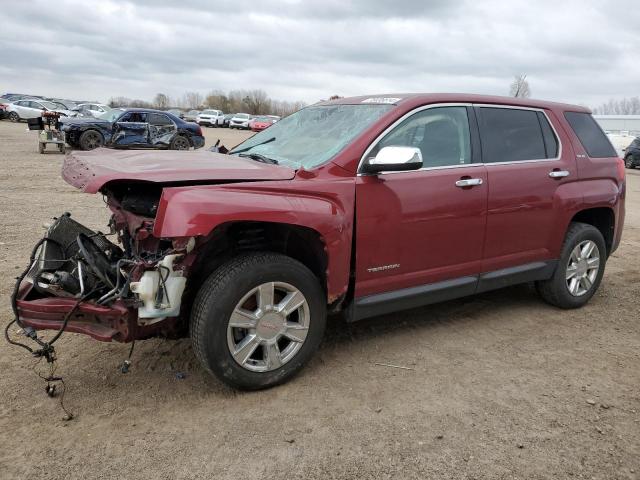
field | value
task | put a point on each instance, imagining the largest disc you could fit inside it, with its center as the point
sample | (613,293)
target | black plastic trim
(388,302)
(505,277)
(383,303)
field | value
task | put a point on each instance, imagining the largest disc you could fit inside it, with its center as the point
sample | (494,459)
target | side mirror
(394,159)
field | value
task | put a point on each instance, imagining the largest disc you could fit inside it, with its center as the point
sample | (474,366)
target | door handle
(558,173)
(468,182)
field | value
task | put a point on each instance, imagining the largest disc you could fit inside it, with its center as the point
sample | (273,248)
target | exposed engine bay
(121,285)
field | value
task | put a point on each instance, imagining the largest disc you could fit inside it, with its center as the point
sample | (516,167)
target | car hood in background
(90,171)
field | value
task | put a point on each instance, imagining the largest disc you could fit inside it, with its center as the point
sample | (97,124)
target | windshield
(210,112)
(242,115)
(313,135)
(110,115)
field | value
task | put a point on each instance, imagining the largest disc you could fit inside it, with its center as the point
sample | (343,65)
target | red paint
(417,225)
(90,171)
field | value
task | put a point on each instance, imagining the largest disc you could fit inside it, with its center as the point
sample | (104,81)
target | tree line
(625,106)
(255,102)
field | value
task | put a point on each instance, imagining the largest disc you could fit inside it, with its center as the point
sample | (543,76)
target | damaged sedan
(133,128)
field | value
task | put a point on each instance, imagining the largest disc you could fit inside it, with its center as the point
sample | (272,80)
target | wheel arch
(602,218)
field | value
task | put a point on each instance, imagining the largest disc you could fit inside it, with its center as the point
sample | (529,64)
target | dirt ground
(499,386)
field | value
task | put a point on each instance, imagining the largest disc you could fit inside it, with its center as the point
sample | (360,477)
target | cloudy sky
(582,52)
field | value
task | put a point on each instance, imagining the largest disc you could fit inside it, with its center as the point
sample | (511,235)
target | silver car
(33,108)
(94,109)
(240,120)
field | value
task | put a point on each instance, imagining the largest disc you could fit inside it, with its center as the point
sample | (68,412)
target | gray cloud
(571,51)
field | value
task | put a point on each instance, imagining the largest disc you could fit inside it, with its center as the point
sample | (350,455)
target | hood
(90,171)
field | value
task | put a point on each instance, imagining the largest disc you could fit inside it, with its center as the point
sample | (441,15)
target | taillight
(621,170)
(199,131)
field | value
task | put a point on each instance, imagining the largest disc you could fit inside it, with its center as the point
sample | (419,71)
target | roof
(426,98)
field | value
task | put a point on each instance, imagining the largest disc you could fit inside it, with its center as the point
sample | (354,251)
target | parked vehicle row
(358,206)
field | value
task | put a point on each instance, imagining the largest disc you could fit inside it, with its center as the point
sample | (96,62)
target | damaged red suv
(360,206)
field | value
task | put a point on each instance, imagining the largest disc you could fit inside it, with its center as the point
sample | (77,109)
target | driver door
(420,234)
(131,130)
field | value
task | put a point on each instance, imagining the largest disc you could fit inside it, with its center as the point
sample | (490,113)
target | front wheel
(580,268)
(257,320)
(14,117)
(628,162)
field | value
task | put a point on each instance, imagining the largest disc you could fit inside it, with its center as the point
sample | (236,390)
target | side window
(159,119)
(441,134)
(591,136)
(134,117)
(511,135)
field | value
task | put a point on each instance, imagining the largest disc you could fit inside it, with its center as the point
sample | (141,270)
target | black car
(133,128)
(227,119)
(632,154)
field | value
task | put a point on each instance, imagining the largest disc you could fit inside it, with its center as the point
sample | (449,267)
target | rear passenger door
(526,167)
(162,130)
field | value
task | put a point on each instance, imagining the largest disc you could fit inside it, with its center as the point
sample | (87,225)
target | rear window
(512,135)
(591,136)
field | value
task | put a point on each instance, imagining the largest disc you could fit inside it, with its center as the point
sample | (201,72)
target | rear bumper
(198,141)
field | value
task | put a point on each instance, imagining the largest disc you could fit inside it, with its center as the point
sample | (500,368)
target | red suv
(360,206)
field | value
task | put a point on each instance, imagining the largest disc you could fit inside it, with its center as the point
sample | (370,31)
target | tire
(557,290)
(628,162)
(180,142)
(14,117)
(90,140)
(41,147)
(223,293)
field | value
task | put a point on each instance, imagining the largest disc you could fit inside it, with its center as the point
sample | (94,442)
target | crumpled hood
(90,171)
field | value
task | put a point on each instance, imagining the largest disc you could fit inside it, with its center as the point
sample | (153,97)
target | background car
(211,118)
(33,108)
(632,154)
(94,109)
(133,128)
(191,115)
(240,120)
(177,112)
(261,122)
(226,120)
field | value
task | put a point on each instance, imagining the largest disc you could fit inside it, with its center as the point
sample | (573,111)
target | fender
(325,206)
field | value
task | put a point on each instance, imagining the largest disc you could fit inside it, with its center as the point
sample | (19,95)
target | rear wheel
(90,140)
(14,117)
(257,320)
(180,143)
(579,270)
(628,161)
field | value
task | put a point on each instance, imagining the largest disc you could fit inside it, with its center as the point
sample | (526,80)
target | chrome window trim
(373,144)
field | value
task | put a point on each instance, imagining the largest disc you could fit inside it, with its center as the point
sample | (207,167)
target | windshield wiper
(269,140)
(259,158)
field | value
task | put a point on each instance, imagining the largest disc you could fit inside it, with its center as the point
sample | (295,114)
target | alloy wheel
(268,326)
(582,268)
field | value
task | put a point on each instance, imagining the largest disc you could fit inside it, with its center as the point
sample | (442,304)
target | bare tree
(217,100)
(624,106)
(520,87)
(257,102)
(161,101)
(192,100)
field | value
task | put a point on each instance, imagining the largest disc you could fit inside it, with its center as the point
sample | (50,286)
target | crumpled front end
(80,281)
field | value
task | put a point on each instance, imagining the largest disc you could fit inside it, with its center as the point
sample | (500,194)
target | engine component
(160,291)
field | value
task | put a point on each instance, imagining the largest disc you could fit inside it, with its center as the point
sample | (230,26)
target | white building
(620,124)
